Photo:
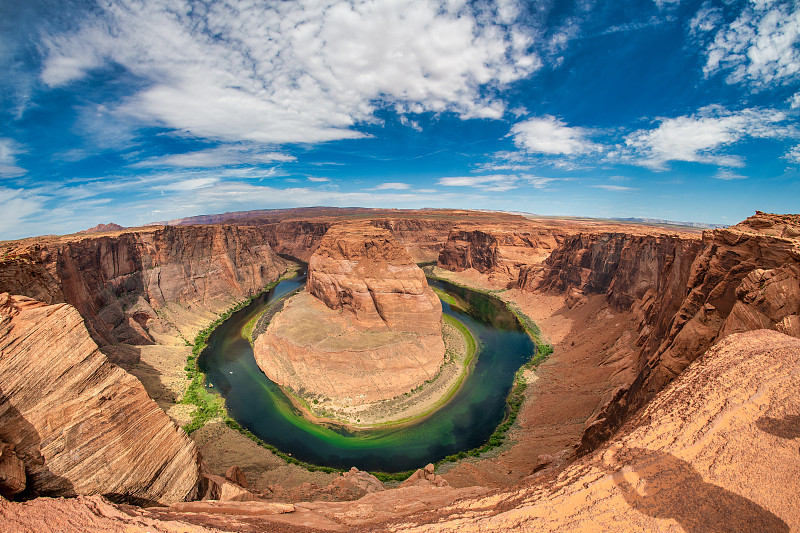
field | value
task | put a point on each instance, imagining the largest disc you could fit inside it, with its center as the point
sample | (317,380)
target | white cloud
(760,47)
(393,185)
(9,149)
(549,135)
(614,187)
(190,184)
(727,175)
(699,137)
(307,71)
(706,19)
(318,179)
(217,157)
(495,182)
(793,155)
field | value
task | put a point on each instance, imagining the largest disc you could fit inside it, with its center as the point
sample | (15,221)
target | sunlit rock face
(363,271)
(367,329)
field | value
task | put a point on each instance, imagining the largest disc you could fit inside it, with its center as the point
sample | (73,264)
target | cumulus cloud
(306,71)
(760,47)
(9,149)
(793,155)
(495,182)
(549,135)
(700,137)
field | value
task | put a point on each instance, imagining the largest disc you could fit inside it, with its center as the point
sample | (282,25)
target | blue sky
(134,111)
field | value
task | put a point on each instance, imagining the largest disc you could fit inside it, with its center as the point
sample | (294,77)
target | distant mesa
(103,228)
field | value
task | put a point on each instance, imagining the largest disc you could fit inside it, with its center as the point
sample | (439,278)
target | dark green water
(465,422)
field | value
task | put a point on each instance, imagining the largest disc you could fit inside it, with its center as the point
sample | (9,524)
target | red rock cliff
(686,293)
(116,282)
(497,250)
(80,424)
(362,270)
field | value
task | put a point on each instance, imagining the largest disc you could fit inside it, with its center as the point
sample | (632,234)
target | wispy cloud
(727,175)
(318,179)
(9,149)
(549,135)
(393,185)
(217,157)
(700,137)
(614,187)
(297,71)
(495,182)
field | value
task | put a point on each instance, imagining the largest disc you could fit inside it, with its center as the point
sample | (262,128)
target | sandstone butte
(368,328)
(659,410)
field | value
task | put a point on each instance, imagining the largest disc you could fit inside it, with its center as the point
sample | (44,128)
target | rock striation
(367,329)
(80,424)
(118,282)
(497,250)
(364,272)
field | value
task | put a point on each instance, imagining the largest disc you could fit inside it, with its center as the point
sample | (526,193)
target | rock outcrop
(367,329)
(117,282)
(363,271)
(80,424)
(498,251)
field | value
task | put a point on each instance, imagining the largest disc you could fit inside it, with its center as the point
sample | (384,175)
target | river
(465,422)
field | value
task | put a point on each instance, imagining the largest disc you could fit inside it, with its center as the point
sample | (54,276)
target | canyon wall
(118,282)
(497,251)
(80,424)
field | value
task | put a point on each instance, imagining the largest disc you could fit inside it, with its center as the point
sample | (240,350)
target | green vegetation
(209,405)
(443,296)
(247,330)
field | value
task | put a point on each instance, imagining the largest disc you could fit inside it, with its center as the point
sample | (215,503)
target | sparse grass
(443,296)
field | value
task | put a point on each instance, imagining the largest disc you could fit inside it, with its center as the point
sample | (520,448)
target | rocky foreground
(717,450)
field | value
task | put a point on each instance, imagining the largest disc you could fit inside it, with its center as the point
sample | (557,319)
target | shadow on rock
(662,486)
(16,430)
(787,427)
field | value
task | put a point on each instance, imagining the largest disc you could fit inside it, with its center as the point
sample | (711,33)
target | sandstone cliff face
(422,239)
(117,282)
(368,328)
(297,238)
(363,271)
(497,250)
(686,294)
(80,424)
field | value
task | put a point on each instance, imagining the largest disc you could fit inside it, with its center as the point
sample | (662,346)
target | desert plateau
(669,398)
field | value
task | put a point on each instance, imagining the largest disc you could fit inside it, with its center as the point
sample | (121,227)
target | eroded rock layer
(80,424)
(118,281)
(363,271)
